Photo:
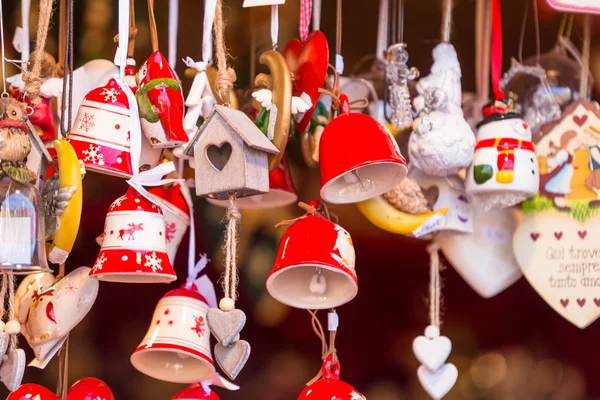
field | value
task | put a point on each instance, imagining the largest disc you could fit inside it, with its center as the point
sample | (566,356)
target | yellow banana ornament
(382,214)
(69,175)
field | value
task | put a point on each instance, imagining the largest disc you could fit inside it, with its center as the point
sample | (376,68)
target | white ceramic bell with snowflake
(134,248)
(176,347)
(100,134)
(178,220)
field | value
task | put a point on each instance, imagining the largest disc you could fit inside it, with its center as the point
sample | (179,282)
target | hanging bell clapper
(318,283)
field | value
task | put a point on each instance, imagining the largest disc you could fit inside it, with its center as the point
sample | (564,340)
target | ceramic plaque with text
(553,244)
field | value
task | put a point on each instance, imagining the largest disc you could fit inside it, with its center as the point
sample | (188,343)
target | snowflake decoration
(199,327)
(99,263)
(87,122)
(72,288)
(117,203)
(153,262)
(93,155)
(109,95)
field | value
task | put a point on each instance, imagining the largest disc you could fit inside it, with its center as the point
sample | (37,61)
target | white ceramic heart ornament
(432,350)
(437,384)
(13,369)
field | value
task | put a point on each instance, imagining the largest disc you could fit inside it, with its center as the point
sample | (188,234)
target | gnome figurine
(442,142)
(505,168)
(160,100)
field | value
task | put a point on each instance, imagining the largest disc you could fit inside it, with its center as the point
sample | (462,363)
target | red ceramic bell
(176,347)
(196,392)
(176,222)
(281,192)
(160,101)
(314,266)
(90,389)
(359,158)
(134,246)
(329,387)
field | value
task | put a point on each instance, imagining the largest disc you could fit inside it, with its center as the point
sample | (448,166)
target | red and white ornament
(100,134)
(314,266)
(134,247)
(84,389)
(330,387)
(177,221)
(203,390)
(176,347)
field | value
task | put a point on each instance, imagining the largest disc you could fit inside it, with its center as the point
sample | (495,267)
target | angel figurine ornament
(442,142)
(397,75)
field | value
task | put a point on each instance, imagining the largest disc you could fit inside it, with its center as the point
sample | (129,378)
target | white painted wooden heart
(437,384)
(484,258)
(13,369)
(432,353)
(225,325)
(560,258)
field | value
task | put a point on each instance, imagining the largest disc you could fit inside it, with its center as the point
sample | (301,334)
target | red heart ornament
(85,389)
(308,62)
(580,120)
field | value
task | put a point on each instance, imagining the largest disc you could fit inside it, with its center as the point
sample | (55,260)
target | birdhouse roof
(570,109)
(241,124)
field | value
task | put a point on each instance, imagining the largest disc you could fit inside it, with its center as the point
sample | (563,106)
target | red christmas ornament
(329,387)
(196,392)
(84,389)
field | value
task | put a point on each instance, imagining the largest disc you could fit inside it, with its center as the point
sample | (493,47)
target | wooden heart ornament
(13,368)
(437,384)
(219,155)
(48,313)
(85,389)
(563,268)
(232,358)
(432,353)
(308,63)
(225,325)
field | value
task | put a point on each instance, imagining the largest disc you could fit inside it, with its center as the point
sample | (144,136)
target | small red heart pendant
(308,62)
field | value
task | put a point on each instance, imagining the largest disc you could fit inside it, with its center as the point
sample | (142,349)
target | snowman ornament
(504,171)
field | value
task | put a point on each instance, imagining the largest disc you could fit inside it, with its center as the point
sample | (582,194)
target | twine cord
(230,277)
(63,370)
(32,79)
(338,28)
(334,91)
(225,75)
(434,284)
(3,291)
(153,30)
(446,21)
(327,348)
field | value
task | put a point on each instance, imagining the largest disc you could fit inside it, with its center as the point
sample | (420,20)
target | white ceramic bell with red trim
(314,266)
(100,134)
(359,159)
(330,387)
(176,347)
(281,192)
(134,248)
(178,220)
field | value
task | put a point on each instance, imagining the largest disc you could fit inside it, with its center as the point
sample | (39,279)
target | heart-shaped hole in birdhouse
(218,155)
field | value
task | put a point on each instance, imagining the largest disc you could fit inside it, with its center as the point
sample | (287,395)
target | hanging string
(32,79)
(173,27)
(316,15)
(434,284)
(4,92)
(3,291)
(447,21)
(584,88)
(523,27)
(339,60)
(14,340)
(274,25)
(62,36)
(252,46)
(335,92)
(225,75)
(132,30)
(382,30)
(306,9)
(230,277)
(327,348)
(482,50)
(536,22)
(400,25)
(496,50)
(24,50)
(66,112)
(153,30)
(63,370)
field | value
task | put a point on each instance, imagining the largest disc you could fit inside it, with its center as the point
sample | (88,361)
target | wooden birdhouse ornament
(230,155)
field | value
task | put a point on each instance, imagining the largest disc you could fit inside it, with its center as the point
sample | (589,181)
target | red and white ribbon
(496,51)
(207,35)
(305,15)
